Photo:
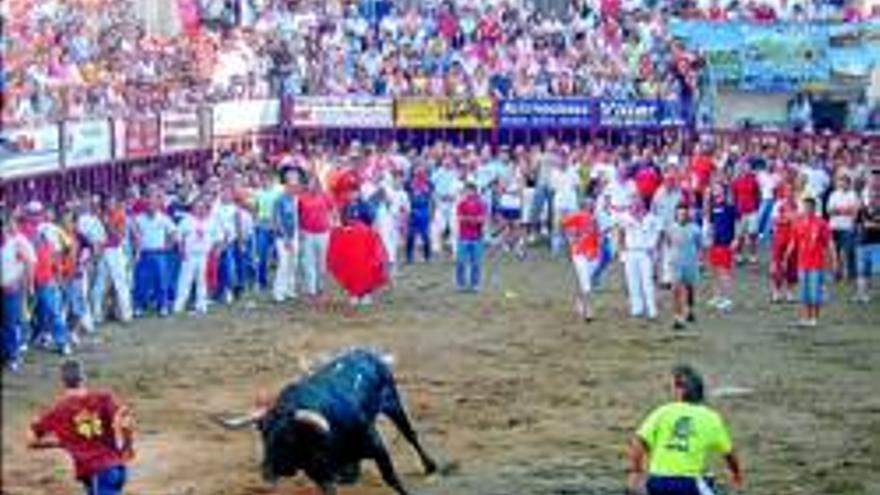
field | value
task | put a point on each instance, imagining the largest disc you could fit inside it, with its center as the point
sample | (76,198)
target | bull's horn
(241,422)
(312,418)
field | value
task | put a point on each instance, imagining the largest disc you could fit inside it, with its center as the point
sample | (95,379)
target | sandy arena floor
(509,385)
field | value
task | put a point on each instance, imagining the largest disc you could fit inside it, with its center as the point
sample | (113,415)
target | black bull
(325,424)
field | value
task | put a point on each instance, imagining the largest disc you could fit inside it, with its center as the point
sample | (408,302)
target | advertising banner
(342,111)
(87,142)
(470,113)
(234,118)
(180,131)
(29,151)
(137,137)
(573,112)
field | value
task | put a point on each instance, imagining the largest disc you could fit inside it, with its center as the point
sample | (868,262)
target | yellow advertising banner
(444,113)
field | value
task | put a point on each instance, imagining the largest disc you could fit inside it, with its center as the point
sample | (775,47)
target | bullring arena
(509,386)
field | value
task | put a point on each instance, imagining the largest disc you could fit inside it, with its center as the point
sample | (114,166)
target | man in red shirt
(746,197)
(316,211)
(471,212)
(812,241)
(783,266)
(92,427)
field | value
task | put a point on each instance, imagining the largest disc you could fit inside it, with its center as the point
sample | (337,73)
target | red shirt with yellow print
(84,426)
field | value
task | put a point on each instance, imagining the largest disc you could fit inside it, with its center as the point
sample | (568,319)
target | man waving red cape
(356,256)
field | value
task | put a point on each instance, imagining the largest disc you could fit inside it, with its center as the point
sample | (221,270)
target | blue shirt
(723,220)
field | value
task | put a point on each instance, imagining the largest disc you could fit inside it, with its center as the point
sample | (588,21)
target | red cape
(357,259)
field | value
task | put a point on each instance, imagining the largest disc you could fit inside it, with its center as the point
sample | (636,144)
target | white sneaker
(725,305)
(714,302)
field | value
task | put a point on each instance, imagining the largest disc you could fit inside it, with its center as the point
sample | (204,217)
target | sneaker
(714,302)
(65,350)
(725,305)
(14,366)
(677,325)
(691,318)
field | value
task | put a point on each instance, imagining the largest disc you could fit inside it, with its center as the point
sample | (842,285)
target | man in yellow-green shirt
(677,439)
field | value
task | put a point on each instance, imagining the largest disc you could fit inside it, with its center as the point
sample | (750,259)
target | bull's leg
(379,453)
(394,410)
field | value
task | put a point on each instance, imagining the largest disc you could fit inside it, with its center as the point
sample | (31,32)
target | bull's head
(292,438)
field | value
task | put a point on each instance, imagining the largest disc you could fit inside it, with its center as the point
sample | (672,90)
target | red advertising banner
(141,137)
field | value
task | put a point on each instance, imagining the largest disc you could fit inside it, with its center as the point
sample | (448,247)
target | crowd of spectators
(95,58)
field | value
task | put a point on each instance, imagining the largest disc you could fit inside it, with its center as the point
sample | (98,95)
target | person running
(813,243)
(683,241)
(94,429)
(676,440)
(584,238)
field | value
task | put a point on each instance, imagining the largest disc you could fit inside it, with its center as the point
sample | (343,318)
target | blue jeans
(845,244)
(867,259)
(150,286)
(422,231)
(172,273)
(265,243)
(764,214)
(812,287)
(469,264)
(13,304)
(226,272)
(244,265)
(49,315)
(110,481)
(606,255)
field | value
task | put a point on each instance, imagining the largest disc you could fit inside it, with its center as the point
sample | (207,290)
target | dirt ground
(508,385)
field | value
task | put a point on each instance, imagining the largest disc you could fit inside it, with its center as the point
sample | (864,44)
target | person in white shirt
(392,211)
(447,187)
(154,236)
(17,260)
(768,180)
(842,208)
(641,234)
(564,182)
(664,206)
(198,234)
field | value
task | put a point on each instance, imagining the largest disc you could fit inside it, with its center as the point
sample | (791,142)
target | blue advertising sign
(575,112)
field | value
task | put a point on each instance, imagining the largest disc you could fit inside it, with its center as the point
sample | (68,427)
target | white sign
(29,151)
(343,111)
(87,142)
(233,118)
(180,131)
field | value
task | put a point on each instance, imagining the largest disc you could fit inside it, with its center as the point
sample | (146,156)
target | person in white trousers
(198,234)
(664,206)
(316,218)
(641,233)
(285,226)
(393,209)
(111,260)
(447,187)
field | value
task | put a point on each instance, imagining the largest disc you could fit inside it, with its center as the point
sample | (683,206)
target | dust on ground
(508,385)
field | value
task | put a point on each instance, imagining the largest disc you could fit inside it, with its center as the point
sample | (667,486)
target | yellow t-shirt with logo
(680,437)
